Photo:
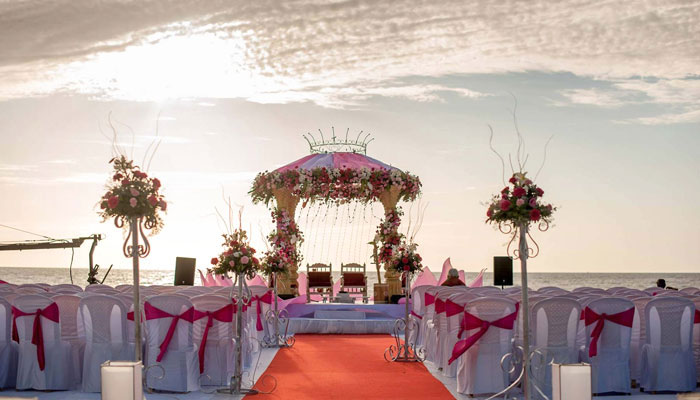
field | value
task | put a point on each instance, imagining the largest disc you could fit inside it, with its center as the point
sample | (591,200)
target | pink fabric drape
(624,318)
(472,322)
(425,277)
(224,314)
(256,281)
(50,312)
(152,312)
(210,280)
(446,266)
(479,280)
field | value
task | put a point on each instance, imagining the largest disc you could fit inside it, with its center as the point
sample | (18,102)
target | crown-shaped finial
(336,145)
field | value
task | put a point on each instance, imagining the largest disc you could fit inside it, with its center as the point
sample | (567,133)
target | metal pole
(274,292)
(525,311)
(239,322)
(408,325)
(137,300)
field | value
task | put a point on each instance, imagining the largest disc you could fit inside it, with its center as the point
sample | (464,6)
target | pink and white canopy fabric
(336,160)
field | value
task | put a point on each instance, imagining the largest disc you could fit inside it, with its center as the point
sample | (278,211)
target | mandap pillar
(287,284)
(389,199)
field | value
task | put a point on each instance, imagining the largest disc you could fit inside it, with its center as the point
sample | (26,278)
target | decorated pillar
(287,203)
(390,199)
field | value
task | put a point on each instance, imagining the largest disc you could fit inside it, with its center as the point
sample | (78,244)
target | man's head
(453,273)
(661,283)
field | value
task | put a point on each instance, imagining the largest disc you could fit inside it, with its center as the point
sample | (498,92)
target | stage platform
(343,318)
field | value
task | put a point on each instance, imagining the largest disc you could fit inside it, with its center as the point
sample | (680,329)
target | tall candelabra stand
(406,351)
(240,297)
(277,317)
(522,356)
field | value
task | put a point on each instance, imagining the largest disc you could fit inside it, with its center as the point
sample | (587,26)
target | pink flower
(152,200)
(231,263)
(535,214)
(527,182)
(533,202)
(489,212)
(113,202)
(518,192)
(133,202)
(214,261)
(126,182)
(505,205)
(520,202)
(134,192)
(163,205)
(244,260)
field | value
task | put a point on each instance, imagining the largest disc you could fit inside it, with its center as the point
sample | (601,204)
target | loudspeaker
(184,271)
(502,271)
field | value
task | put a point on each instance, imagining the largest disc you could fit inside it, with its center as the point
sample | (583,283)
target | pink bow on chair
(51,313)
(267,299)
(224,314)
(624,318)
(429,299)
(156,313)
(472,322)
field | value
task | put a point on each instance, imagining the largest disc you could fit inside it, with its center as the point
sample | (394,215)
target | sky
(228,88)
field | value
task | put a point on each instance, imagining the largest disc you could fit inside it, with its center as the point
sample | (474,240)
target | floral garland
(388,234)
(286,239)
(521,205)
(238,257)
(335,185)
(131,193)
(406,258)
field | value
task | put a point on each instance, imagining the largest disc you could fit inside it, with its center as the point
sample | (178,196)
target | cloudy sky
(232,86)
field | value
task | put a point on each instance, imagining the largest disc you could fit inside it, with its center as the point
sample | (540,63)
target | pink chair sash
(696,320)
(439,306)
(156,313)
(624,318)
(416,315)
(452,308)
(267,299)
(51,313)
(472,322)
(224,314)
(429,299)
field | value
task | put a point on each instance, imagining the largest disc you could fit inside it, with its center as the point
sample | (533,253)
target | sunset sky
(233,86)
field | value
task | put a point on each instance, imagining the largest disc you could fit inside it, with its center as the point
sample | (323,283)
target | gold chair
(320,280)
(353,279)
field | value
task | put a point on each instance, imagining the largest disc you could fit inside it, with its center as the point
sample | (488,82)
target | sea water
(535,280)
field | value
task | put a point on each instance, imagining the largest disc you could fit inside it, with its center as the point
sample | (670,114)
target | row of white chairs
(659,350)
(92,326)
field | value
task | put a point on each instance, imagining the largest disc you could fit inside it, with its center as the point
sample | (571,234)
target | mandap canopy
(336,177)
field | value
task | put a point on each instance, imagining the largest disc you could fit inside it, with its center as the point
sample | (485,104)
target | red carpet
(347,367)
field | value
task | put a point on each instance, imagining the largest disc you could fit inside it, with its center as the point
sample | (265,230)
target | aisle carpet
(347,367)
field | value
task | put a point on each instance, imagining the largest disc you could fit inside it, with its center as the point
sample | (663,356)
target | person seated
(453,279)
(662,284)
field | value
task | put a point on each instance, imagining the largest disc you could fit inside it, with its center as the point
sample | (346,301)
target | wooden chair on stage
(353,279)
(320,280)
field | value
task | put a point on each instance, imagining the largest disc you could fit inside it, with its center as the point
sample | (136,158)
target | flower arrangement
(238,256)
(132,193)
(274,263)
(335,185)
(520,205)
(286,238)
(388,235)
(406,258)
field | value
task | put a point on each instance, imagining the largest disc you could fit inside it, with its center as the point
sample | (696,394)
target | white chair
(483,291)
(512,290)
(124,287)
(72,332)
(104,319)
(479,370)
(33,372)
(689,290)
(653,290)
(106,291)
(179,357)
(639,334)
(454,314)
(696,336)
(610,361)
(417,311)
(65,287)
(554,324)
(667,356)
(552,290)
(428,314)
(216,351)
(95,286)
(8,348)
(437,333)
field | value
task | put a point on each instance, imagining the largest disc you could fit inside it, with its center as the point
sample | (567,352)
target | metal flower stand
(406,351)
(277,317)
(240,297)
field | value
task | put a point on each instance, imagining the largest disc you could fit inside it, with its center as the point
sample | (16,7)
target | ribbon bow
(452,308)
(624,318)
(50,312)
(224,314)
(156,313)
(439,306)
(429,299)
(267,299)
(472,322)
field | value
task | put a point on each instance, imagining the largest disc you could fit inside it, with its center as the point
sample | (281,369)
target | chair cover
(65,287)
(417,311)
(437,328)
(609,323)
(8,348)
(95,286)
(454,314)
(41,352)
(169,343)
(667,355)
(552,290)
(104,318)
(72,331)
(479,370)
(486,291)
(213,326)
(639,334)
(554,324)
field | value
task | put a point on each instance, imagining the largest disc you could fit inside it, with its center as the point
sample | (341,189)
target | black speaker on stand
(184,271)
(502,271)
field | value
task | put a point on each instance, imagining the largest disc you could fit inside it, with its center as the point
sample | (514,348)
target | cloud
(667,119)
(17,167)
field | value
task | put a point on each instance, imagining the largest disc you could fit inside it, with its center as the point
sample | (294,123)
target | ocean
(535,280)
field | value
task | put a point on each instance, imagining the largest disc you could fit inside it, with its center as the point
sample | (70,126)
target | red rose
(125,182)
(513,180)
(505,205)
(156,183)
(404,260)
(519,192)
(406,267)
(539,192)
(113,202)
(505,190)
(489,212)
(117,177)
(535,215)
(152,200)
(214,261)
